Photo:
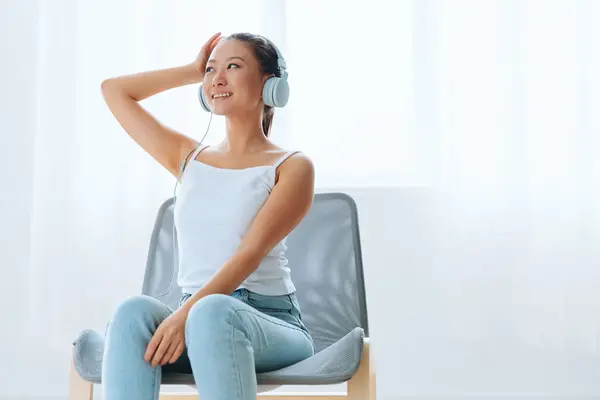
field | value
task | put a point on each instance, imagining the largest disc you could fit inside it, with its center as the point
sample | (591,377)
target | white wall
(18,110)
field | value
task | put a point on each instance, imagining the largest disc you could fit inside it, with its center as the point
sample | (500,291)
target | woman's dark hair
(265,53)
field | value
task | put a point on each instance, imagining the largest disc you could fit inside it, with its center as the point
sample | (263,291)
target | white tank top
(214,209)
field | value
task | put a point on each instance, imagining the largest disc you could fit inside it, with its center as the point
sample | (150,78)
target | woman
(238,201)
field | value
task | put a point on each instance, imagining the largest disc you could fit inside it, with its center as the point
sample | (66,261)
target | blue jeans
(228,340)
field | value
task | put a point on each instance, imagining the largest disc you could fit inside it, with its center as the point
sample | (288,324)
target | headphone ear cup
(203,101)
(276,92)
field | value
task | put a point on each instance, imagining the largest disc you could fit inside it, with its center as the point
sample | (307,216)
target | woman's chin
(222,109)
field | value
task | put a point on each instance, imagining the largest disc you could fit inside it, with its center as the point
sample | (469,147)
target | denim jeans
(228,338)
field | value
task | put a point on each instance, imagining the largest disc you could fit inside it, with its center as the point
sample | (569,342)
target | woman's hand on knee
(168,342)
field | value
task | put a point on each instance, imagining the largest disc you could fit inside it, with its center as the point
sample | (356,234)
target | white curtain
(490,107)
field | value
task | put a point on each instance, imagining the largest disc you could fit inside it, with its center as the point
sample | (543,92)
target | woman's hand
(168,342)
(202,58)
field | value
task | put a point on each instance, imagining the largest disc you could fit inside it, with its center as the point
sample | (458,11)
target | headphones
(276,90)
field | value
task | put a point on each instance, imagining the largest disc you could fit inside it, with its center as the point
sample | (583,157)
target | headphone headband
(280,61)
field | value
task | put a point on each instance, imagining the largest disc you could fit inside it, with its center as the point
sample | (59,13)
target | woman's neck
(244,135)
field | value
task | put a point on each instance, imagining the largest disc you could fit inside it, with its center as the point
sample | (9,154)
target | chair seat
(334,364)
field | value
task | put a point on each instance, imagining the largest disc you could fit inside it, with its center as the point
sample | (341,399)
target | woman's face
(232,80)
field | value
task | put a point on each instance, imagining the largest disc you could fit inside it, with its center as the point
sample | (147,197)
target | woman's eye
(208,68)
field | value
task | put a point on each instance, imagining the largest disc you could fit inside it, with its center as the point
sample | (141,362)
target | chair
(324,254)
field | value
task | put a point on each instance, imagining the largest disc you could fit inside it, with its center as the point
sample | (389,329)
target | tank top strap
(193,157)
(285,156)
(198,150)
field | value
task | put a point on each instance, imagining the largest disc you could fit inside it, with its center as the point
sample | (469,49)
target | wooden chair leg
(79,388)
(362,385)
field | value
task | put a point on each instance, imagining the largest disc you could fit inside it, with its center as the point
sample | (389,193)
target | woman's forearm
(231,274)
(145,84)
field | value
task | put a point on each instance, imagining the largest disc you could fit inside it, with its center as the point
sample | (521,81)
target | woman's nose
(219,79)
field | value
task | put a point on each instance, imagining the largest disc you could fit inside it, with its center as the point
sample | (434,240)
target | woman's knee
(140,308)
(209,312)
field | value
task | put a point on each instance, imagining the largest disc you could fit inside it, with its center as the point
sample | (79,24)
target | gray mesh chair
(324,254)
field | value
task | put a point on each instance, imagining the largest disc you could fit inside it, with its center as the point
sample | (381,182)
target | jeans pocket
(284,307)
(270,304)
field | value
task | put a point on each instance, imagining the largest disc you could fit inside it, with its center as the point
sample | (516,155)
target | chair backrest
(324,254)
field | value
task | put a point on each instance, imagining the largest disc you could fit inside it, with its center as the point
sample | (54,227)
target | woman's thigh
(275,334)
(275,342)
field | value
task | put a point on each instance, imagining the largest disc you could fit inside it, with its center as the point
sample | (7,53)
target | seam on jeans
(236,361)
(258,314)
(157,374)
(156,393)
(289,325)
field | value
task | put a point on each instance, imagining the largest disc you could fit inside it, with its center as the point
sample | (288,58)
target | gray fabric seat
(324,255)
